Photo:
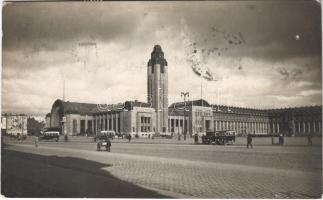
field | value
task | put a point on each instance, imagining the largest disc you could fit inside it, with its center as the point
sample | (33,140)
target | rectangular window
(74,126)
(82,126)
(89,125)
(118,124)
(114,124)
(207,124)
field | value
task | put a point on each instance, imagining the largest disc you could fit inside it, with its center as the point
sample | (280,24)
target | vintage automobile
(103,142)
(109,134)
(49,134)
(219,137)
(118,136)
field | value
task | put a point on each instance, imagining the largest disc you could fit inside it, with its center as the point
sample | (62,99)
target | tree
(34,127)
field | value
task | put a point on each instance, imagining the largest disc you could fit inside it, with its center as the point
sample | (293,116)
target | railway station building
(156,116)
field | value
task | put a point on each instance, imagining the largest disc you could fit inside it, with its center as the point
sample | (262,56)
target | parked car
(103,142)
(219,137)
(50,133)
(109,134)
(119,135)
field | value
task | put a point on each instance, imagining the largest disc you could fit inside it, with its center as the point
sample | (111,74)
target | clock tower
(157,79)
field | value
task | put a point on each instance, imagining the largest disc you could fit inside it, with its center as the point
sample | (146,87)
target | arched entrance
(57,114)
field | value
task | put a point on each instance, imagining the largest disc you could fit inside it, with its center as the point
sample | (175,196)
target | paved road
(197,171)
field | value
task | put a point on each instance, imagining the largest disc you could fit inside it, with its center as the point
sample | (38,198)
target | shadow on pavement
(31,175)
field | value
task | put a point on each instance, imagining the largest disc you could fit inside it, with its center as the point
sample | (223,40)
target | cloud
(250,46)
(311,92)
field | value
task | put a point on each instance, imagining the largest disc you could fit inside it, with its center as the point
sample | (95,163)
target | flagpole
(201,87)
(202,90)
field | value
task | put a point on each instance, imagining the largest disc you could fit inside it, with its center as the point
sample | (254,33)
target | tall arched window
(74,126)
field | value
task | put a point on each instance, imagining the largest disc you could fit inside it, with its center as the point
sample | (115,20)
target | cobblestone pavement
(183,177)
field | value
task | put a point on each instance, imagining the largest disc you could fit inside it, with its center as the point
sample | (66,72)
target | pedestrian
(309,139)
(36,141)
(129,137)
(196,138)
(281,139)
(65,138)
(249,141)
(108,144)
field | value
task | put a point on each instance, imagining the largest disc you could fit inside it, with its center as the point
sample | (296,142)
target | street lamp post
(185,94)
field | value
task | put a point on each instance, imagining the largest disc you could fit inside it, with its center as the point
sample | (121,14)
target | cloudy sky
(265,54)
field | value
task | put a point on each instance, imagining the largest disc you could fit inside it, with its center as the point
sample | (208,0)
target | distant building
(156,117)
(14,124)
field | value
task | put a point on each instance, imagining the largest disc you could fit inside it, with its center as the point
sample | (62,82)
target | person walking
(66,138)
(108,145)
(36,141)
(249,141)
(281,139)
(309,139)
(196,138)
(129,137)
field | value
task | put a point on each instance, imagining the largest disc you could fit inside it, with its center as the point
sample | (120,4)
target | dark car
(49,134)
(103,142)
(119,136)
(219,137)
(108,134)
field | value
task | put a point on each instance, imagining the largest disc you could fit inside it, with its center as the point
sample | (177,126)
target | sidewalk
(136,140)
(240,141)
